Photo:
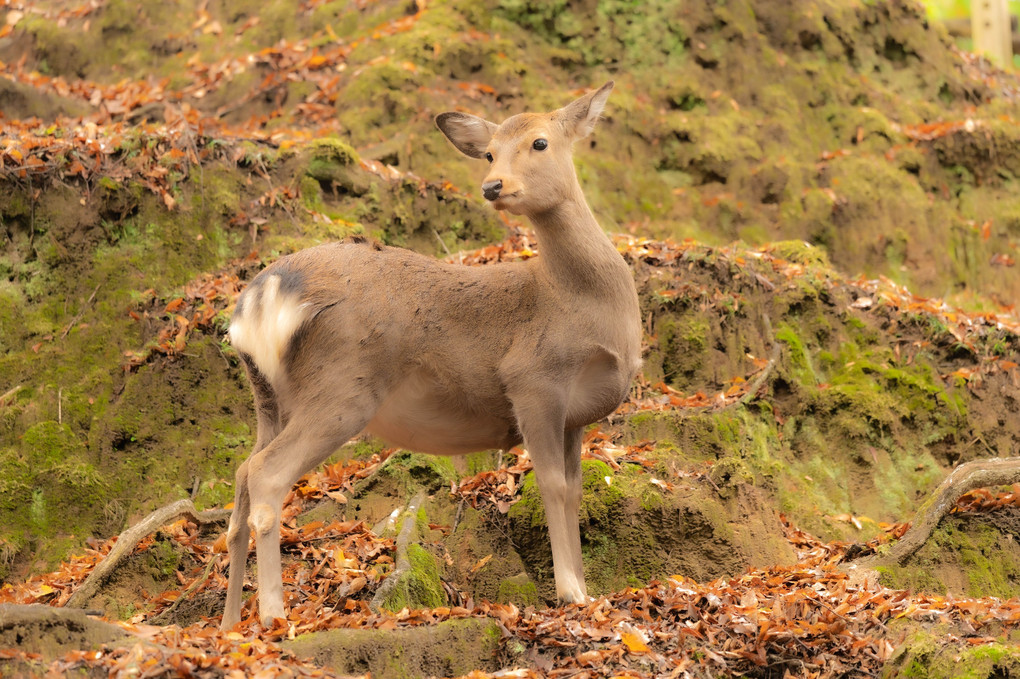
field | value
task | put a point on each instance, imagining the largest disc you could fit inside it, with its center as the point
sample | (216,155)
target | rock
(51,632)
(451,648)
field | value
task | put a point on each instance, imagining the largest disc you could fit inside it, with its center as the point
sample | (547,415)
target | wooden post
(990,27)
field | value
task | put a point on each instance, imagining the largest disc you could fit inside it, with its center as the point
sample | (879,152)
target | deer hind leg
(238,531)
(302,445)
(559,482)
(237,548)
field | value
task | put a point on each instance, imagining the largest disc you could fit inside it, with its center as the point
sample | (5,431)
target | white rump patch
(263,330)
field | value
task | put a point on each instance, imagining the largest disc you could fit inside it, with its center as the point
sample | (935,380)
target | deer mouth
(501,199)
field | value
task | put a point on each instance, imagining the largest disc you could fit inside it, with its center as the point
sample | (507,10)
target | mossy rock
(51,632)
(973,555)
(633,531)
(449,649)
(518,590)
(410,471)
(927,656)
(800,252)
(335,165)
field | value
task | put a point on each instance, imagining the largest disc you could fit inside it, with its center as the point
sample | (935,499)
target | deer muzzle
(491,189)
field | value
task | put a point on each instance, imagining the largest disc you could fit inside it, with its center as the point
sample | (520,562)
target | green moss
(964,556)
(529,508)
(450,648)
(600,499)
(418,470)
(482,461)
(730,472)
(163,557)
(363,448)
(800,252)
(49,443)
(48,489)
(335,166)
(419,587)
(333,151)
(518,590)
(927,656)
(797,351)
(683,343)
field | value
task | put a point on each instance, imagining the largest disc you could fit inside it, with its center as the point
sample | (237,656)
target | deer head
(530,165)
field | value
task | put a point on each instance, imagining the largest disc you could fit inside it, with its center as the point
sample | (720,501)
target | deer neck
(575,253)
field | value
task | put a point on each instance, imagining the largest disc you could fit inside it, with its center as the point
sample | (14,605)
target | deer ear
(579,116)
(470,134)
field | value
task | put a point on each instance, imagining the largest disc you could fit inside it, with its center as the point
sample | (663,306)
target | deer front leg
(558,474)
(572,445)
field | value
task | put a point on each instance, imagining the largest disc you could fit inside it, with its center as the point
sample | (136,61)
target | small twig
(766,371)
(708,478)
(10,394)
(456,518)
(265,171)
(219,348)
(81,313)
(31,219)
(445,249)
(165,617)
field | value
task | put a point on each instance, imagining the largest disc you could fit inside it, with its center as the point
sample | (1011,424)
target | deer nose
(491,189)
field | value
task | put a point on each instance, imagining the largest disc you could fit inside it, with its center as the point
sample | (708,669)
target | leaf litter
(810,619)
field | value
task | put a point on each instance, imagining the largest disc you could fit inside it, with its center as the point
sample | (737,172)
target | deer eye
(488,156)
(540,145)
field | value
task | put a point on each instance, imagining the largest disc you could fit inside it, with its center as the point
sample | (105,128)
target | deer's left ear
(579,116)
(470,134)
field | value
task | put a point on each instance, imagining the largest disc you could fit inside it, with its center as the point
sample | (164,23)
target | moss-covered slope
(852,125)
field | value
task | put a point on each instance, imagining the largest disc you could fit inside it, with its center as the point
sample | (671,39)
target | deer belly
(421,415)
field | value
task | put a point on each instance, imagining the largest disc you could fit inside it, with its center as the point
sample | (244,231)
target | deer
(442,358)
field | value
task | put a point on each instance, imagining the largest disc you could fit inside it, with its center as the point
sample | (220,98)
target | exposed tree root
(965,478)
(402,563)
(129,539)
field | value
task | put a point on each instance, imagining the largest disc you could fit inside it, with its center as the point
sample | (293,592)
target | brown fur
(438,357)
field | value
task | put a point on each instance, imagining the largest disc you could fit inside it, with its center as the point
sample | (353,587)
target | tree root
(965,478)
(402,563)
(129,539)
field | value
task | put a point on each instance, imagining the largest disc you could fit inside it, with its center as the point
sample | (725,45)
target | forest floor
(818,206)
